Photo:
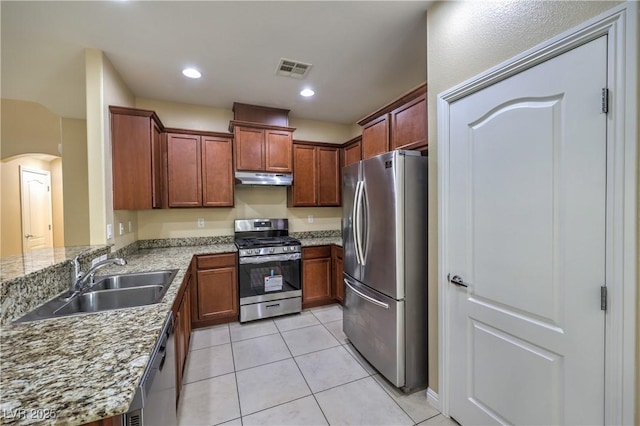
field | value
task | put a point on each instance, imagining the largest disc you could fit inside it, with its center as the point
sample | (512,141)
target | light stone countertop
(86,367)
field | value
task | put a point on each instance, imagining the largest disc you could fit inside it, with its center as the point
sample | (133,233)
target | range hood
(262,179)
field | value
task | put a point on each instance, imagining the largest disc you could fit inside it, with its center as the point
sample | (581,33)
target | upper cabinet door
(409,125)
(278,148)
(133,164)
(304,187)
(328,176)
(184,170)
(249,149)
(353,153)
(375,137)
(217,173)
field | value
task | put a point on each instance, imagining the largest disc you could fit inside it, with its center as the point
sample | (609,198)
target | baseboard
(433,398)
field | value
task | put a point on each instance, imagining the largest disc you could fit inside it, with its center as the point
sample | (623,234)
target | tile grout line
(306,382)
(394,400)
(235,376)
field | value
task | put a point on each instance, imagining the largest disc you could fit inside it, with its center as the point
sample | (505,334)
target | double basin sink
(107,293)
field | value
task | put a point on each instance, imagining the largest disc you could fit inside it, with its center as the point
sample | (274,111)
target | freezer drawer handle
(365,297)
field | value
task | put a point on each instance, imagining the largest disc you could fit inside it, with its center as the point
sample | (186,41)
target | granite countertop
(83,368)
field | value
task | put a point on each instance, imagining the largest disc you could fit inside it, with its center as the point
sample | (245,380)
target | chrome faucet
(80,280)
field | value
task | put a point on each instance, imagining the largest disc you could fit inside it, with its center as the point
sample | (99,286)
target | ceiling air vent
(291,68)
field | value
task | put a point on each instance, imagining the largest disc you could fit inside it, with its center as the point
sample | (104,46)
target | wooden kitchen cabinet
(199,171)
(182,327)
(216,300)
(409,125)
(316,276)
(262,148)
(316,175)
(375,137)
(402,124)
(352,151)
(136,142)
(338,282)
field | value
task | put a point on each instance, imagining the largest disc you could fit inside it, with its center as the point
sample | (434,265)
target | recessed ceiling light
(307,92)
(191,73)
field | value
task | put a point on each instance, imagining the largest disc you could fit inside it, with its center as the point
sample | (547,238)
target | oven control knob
(249,251)
(271,250)
(285,248)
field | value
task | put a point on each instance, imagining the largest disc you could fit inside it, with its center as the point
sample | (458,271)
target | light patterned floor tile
(328,313)
(335,327)
(309,339)
(211,336)
(365,364)
(304,411)
(362,402)
(208,362)
(251,329)
(258,351)
(414,404)
(439,420)
(209,401)
(291,322)
(328,368)
(269,385)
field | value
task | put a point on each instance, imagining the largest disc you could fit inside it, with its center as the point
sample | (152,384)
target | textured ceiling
(364,54)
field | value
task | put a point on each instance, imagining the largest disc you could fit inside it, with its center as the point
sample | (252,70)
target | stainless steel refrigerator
(384,232)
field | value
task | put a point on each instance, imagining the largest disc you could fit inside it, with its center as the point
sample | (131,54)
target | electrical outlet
(120,229)
(109,231)
(310,218)
(200,222)
(130,227)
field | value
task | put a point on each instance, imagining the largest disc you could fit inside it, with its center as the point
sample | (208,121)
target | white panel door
(35,194)
(527,235)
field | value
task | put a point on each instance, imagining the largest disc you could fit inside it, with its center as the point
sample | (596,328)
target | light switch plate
(200,222)
(120,229)
(130,227)
(109,231)
(310,218)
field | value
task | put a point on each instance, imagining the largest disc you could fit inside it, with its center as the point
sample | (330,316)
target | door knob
(457,280)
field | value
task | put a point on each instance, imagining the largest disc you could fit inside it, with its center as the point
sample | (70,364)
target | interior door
(526,236)
(35,194)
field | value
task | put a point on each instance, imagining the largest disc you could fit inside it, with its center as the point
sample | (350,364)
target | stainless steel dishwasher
(154,402)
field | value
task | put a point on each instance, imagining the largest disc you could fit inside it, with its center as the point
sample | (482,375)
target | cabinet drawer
(316,252)
(216,261)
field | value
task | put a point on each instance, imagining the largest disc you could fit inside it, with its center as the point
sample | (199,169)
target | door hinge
(605,100)
(603,298)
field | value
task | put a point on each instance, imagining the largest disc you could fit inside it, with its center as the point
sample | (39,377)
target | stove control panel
(269,251)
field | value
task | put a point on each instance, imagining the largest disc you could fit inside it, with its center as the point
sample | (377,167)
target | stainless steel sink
(109,292)
(132,280)
(104,300)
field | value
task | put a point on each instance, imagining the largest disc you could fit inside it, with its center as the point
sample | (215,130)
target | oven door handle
(269,258)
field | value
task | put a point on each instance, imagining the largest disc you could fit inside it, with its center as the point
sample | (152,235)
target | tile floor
(293,370)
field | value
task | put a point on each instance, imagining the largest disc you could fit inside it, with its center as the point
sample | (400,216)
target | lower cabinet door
(316,280)
(217,293)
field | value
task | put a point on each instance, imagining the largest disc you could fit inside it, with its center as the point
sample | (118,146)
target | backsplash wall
(250,203)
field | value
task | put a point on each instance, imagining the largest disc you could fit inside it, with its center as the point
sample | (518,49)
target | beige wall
(104,87)
(75,182)
(463,39)
(57,202)
(28,127)
(250,202)
(10,219)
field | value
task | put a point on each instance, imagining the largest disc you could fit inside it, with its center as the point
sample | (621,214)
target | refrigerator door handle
(364,200)
(357,226)
(365,297)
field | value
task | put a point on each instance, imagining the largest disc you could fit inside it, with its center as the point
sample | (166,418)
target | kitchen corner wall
(465,38)
(250,202)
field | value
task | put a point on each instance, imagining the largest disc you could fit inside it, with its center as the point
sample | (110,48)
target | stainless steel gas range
(269,269)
